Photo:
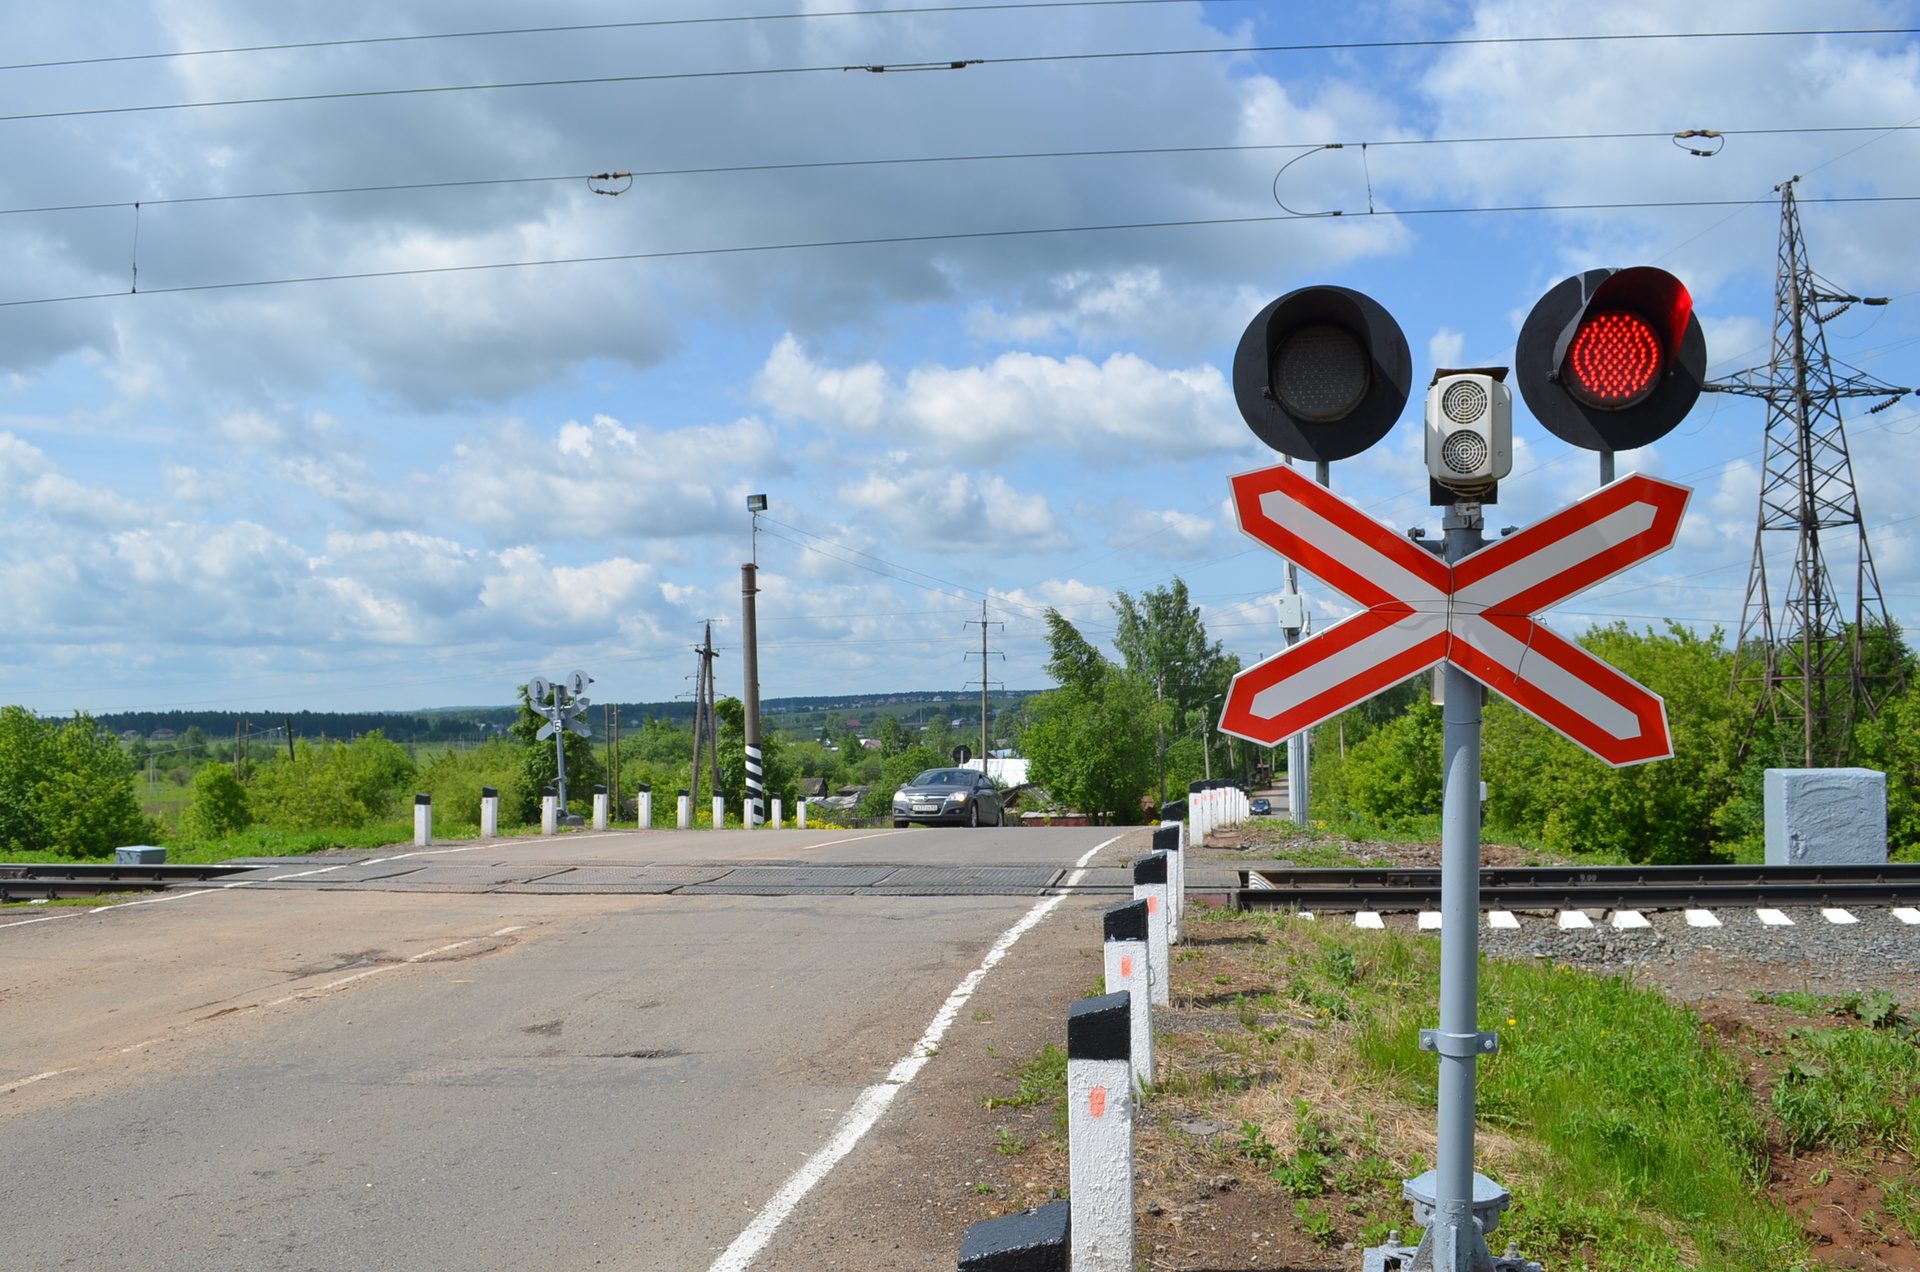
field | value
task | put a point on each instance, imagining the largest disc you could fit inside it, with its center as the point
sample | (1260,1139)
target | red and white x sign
(1476,613)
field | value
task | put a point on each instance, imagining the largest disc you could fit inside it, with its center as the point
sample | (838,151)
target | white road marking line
(1702,919)
(1369,919)
(1773,918)
(1623,919)
(874,1101)
(1429,920)
(1502,919)
(45,918)
(1907,914)
(851,839)
(50,1073)
(1570,919)
(1837,915)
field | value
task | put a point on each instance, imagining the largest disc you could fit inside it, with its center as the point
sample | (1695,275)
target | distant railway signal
(1322,373)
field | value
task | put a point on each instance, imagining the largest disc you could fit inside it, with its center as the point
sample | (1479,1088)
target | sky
(377,402)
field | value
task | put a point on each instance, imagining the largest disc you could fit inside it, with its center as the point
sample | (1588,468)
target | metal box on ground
(1826,817)
(140,855)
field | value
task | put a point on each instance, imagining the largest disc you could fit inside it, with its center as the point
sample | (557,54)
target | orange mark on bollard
(1126,967)
(1097,1101)
(1153,905)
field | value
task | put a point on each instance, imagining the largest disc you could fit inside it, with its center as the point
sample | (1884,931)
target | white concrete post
(800,815)
(686,811)
(719,812)
(773,818)
(644,806)
(1126,949)
(1167,839)
(422,820)
(599,808)
(549,812)
(489,812)
(1150,885)
(1100,1133)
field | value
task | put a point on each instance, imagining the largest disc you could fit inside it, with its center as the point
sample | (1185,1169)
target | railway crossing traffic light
(1322,373)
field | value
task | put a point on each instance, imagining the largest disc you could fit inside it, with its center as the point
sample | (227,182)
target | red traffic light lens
(1615,359)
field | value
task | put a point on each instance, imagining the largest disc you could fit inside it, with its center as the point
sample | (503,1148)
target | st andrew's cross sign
(1477,613)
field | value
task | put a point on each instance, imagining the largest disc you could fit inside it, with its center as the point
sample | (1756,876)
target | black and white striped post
(643,805)
(1025,1241)
(686,810)
(1150,885)
(422,820)
(750,813)
(1100,1132)
(1167,839)
(549,811)
(599,808)
(1128,970)
(489,812)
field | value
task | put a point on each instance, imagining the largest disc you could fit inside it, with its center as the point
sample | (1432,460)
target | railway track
(1570,888)
(33,882)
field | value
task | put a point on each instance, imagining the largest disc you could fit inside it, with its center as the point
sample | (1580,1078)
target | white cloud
(1105,413)
(934,507)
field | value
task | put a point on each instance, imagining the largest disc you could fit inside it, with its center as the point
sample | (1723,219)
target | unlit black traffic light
(1612,359)
(1322,373)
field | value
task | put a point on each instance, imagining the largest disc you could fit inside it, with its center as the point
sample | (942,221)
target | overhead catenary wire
(751,72)
(900,239)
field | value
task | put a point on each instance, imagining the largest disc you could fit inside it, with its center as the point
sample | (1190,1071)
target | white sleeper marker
(1429,920)
(1623,919)
(1368,919)
(1502,919)
(1837,915)
(1773,918)
(1907,915)
(1702,919)
(1571,919)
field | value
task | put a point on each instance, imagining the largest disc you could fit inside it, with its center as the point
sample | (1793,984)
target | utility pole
(983,623)
(289,739)
(1812,664)
(756,793)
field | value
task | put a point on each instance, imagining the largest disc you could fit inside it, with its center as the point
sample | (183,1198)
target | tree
(891,736)
(938,736)
(455,779)
(777,774)
(219,805)
(65,789)
(1092,740)
(332,785)
(1163,640)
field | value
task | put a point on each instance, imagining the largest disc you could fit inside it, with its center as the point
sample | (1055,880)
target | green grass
(1642,1149)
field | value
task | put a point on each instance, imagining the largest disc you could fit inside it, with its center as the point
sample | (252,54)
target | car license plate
(926,808)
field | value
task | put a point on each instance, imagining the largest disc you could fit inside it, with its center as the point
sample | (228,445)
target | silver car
(948,796)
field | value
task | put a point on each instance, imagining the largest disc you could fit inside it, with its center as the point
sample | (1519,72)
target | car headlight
(958,797)
(899,797)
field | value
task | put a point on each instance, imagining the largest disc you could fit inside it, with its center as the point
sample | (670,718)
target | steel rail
(1395,890)
(35,881)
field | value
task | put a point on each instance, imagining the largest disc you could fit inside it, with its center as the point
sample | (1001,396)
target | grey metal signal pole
(1458,1245)
(750,670)
(560,748)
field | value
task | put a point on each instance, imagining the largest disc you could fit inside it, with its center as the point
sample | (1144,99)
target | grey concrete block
(1826,817)
(140,855)
(1029,1241)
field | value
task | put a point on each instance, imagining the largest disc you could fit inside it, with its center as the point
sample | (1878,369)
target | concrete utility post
(750,815)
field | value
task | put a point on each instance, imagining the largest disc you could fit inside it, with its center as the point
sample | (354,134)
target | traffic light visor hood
(1612,359)
(1322,373)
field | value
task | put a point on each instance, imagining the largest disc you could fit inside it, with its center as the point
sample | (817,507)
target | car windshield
(944,777)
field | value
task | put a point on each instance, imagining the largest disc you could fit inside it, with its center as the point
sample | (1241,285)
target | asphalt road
(355,1078)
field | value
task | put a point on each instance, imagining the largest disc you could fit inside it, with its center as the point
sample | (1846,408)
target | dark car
(1260,807)
(951,796)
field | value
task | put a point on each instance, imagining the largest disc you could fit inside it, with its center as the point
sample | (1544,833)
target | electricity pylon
(1825,656)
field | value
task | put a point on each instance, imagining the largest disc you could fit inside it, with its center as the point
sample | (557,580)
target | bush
(454,779)
(219,805)
(65,789)
(332,784)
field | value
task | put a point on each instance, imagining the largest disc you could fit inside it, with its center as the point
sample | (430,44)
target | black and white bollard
(1025,1241)
(1167,839)
(489,812)
(1128,971)
(1150,885)
(1100,1132)
(686,810)
(800,815)
(643,806)
(599,808)
(549,811)
(719,812)
(422,820)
